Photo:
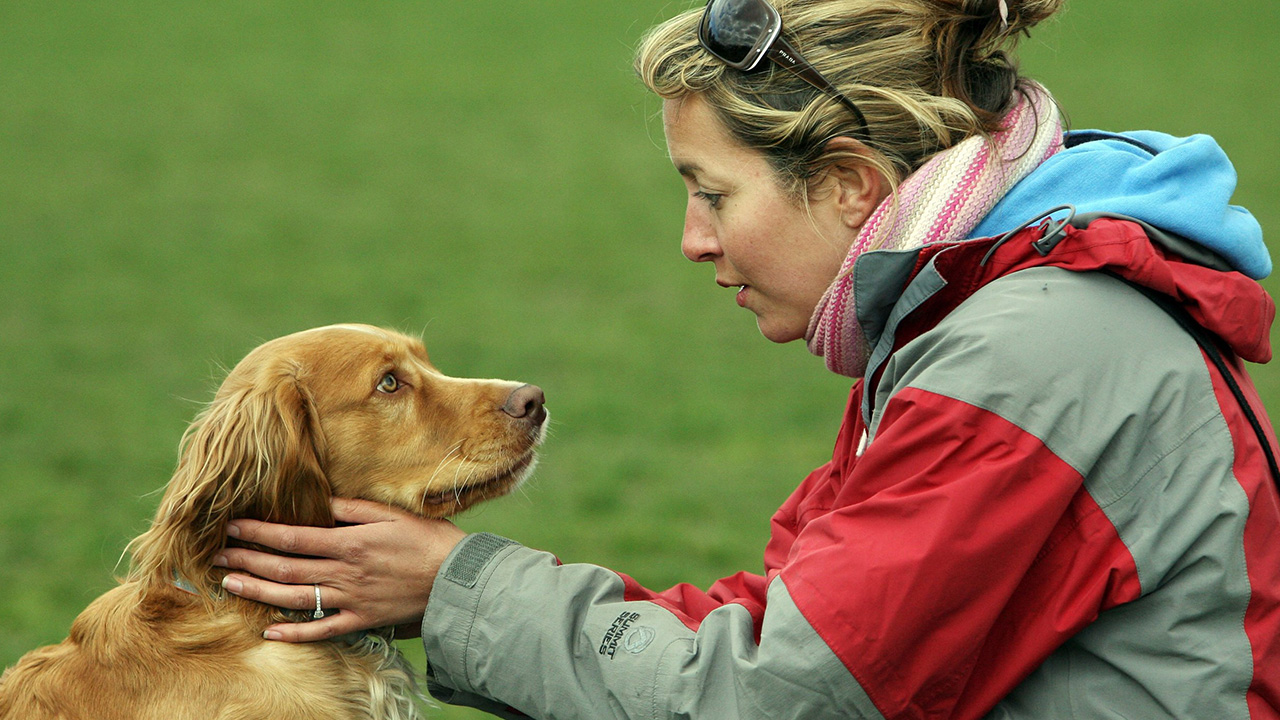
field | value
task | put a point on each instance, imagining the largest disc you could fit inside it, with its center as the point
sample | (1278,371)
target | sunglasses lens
(732,29)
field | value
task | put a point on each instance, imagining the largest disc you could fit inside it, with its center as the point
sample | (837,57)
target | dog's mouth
(457,499)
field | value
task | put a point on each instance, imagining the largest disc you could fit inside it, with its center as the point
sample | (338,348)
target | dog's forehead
(364,340)
(328,355)
(341,348)
(350,327)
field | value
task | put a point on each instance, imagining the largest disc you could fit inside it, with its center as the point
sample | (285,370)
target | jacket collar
(901,294)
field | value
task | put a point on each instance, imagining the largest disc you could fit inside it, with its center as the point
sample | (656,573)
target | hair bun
(972,44)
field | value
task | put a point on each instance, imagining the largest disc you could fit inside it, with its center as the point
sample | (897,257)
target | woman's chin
(780,332)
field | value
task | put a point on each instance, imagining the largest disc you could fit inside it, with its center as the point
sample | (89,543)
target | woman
(1045,499)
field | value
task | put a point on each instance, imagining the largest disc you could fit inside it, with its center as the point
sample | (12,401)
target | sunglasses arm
(782,53)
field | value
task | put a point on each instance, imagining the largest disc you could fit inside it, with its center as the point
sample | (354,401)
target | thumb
(361,512)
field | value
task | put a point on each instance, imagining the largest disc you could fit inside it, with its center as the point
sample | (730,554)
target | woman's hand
(378,572)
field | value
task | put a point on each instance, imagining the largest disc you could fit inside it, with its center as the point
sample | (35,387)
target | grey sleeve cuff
(469,558)
(450,615)
(508,625)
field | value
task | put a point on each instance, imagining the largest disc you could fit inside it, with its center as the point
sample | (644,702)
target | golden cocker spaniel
(346,410)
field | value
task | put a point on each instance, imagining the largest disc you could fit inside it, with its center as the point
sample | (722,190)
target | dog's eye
(388,384)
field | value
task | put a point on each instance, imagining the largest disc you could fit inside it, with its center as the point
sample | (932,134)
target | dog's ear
(254,452)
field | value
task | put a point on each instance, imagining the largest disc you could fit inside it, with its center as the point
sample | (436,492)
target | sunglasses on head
(742,33)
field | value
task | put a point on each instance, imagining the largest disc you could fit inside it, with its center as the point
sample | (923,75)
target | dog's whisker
(457,494)
(456,447)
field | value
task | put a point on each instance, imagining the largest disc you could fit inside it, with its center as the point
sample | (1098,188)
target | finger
(329,627)
(361,512)
(286,570)
(298,540)
(296,597)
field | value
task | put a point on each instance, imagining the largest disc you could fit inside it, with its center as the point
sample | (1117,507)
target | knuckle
(284,572)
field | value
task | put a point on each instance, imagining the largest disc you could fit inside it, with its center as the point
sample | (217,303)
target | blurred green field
(180,181)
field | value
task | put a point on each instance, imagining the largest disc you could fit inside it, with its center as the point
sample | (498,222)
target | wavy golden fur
(346,410)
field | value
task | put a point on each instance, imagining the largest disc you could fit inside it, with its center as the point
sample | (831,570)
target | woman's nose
(699,242)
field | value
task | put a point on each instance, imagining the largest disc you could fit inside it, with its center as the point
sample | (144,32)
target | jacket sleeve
(510,627)
(888,576)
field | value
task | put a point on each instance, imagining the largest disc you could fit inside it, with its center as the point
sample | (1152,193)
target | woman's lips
(742,296)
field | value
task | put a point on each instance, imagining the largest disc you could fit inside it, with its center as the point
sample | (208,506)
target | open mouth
(741,289)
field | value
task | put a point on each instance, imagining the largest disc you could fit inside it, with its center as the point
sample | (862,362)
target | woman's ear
(858,186)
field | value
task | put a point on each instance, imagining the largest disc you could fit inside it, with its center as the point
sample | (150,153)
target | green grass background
(180,181)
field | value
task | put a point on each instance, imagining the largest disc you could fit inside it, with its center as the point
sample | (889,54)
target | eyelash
(712,199)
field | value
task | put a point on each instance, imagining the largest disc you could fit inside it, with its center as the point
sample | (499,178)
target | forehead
(356,336)
(338,349)
(700,145)
(368,341)
(690,124)
(369,330)
(327,358)
(345,362)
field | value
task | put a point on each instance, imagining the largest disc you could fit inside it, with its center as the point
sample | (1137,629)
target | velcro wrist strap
(471,557)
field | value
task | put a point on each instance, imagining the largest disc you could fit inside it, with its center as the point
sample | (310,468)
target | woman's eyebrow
(688,169)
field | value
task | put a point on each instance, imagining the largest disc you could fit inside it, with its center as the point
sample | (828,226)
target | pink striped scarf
(941,202)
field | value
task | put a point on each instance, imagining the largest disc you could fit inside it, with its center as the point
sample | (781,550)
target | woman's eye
(388,384)
(712,199)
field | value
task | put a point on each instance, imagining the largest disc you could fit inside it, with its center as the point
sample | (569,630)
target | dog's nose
(526,402)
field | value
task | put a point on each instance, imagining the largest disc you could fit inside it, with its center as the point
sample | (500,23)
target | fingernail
(233,531)
(232,585)
(220,560)
(272,635)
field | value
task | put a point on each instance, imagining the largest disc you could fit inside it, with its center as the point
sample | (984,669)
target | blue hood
(1180,185)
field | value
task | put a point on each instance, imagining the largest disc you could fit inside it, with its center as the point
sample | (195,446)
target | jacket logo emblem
(638,639)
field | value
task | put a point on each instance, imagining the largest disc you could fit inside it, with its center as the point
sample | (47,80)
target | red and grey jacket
(1044,502)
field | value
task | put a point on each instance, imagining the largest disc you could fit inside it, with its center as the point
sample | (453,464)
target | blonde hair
(927,74)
